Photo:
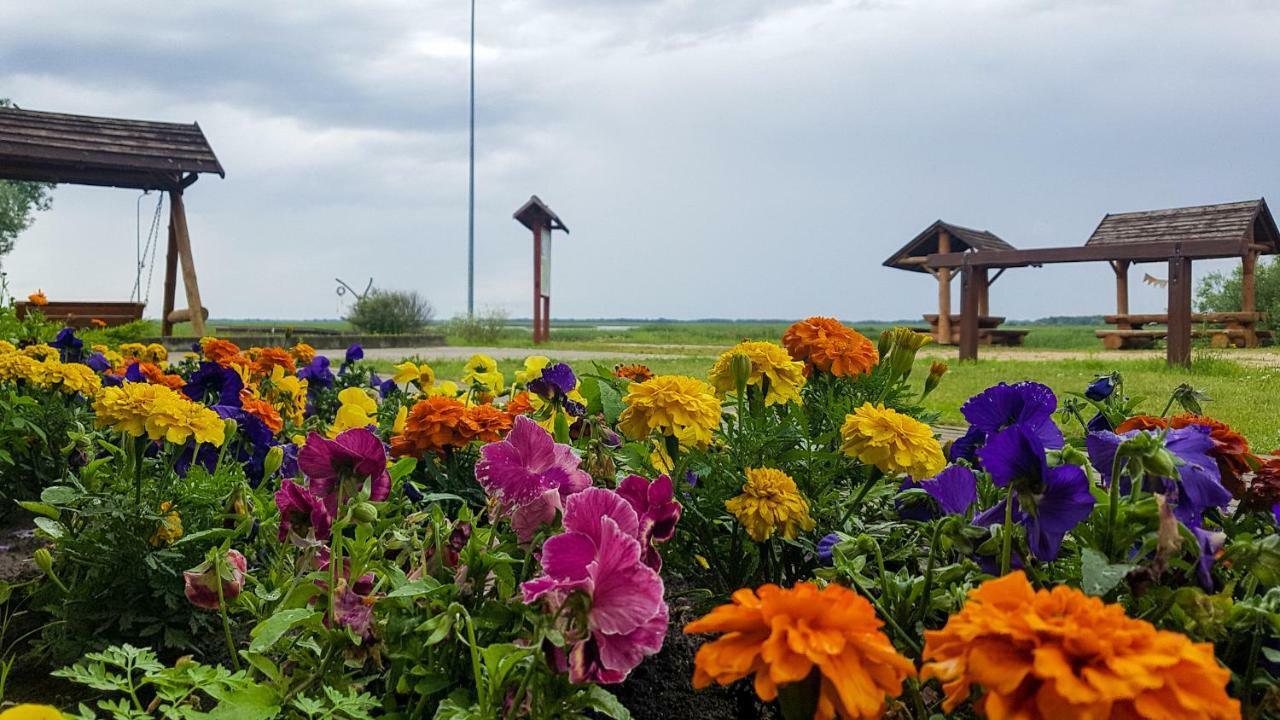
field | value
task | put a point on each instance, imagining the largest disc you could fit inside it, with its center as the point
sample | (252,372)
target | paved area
(456,352)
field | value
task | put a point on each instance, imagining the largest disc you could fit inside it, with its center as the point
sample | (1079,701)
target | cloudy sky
(727,158)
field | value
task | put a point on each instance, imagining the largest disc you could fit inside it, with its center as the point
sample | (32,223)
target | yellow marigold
(634,372)
(38,298)
(6,347)
(772,369)
(132,350)
(355,410)
(70,378)
(29,711)
(826,345)
(435,424)
(176,418)
(770,502)
(671,405)
(41,352)
(170,530)
(223,352)
(125,408)
(154,353)
(891,441)
(302,353)
(782,635)
(1062,654)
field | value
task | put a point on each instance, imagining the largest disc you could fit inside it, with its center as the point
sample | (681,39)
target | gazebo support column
(1121,268)
(984,296)
(1248,293)
(170,280)
(972,281)
(1179,338)
(182,243)
(944,292)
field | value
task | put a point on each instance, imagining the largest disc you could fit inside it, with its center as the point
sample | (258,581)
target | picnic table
(82,314)
(1224,329)
(989,331)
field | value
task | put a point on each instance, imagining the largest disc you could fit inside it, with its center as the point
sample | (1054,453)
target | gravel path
(455,352)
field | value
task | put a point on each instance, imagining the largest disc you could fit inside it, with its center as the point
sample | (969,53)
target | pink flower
(302,513)
(355,610)
(531,475)
(355,456)
(654,503)
(200,581)
(598,556)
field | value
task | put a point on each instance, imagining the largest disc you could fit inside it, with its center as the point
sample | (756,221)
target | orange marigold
(223,352)
(491,423)
(634,372)
(266,359)
(782,635)
(157,376)
(1142,422)
(1062,654)
(1230,449)
(520,404)
(263,410)
(434,425)
(827,345)
(303,353)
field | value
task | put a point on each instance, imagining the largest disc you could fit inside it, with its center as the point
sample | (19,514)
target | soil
(17,542)
(661,688)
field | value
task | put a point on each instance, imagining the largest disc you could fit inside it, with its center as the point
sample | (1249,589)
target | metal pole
(471,180)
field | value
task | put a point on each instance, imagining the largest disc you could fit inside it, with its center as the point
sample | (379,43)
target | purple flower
(827,547)
(354,456)
(966,447)
(134,374)
(955,490)
(201,582)
(317,373)
(1198,486)
(531,475)
(384,387)
(657,509)
(303,516)
(1098,423)
(97,362)
(556,381)
(1100,389)
(354,610)
(1049,501)
(1029,404)
(213,382)
(625,618)
(354,353)
(1211,542)
(69,346)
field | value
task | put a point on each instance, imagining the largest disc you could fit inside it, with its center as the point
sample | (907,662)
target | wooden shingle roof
(963,239)
(60,148)
(1248,222)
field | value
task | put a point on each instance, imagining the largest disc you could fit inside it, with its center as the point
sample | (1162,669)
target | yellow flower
(28,711)
(891,441)
(303,353)
(356,410)
(288,393)
(125,408)
(673,406)
(40,352)
(444,388)
(772,369)
(15,366)
(176,418)
(67,377)
(114,359)
(170,529)
(482,370)
(542,408)
(533,367)
(155,353)
(402,414)
(770,501)
(421,375)
(6,347)
(133,350)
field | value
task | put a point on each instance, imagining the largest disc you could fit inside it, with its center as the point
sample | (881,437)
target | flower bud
(273,461)
(740,368)
(885,344)
(44,560)
(936,370)
(230,426)
(364,512)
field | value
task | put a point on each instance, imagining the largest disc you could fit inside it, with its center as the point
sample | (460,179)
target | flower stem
(928,570)
(1006,549)
(1113,509)
(222,610)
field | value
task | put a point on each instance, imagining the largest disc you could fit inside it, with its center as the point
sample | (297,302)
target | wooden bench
(989,332)
(1240,330)
(83,314)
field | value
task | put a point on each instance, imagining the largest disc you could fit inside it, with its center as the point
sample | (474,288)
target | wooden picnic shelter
(112,152)
(1176,236)
(942,238)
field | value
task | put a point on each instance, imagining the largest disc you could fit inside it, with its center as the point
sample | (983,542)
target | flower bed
(256,533)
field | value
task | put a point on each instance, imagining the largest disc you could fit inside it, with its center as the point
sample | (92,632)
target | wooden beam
(971,281)
(1134,252)
(178,213)
(170,280)
(1121,268)
(944,292)
(1179,338)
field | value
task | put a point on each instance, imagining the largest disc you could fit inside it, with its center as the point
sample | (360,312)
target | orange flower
(1230,449)
(37,298)
(634,373)
(265,359)
(1141,422)
(223,352)
(826,345)
(781,636)
(98,323)
(1062,654)
(491,423)
(156,376)
(263,410)
(520,404)
(435,425)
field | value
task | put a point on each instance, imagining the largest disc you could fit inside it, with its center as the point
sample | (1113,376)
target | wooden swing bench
(84,314)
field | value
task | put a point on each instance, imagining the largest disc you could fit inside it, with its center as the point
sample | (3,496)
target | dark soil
(17,542)
(662,687)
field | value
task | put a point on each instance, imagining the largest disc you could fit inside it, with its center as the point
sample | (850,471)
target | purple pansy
(655,505)
(215,384)
(1198,486)
(1028,404)
(531,475)
(97,362)
(69,346)
(384,387)
(827,547)
(955,490)
(317,373)
(354,354)
(303,516)
(355,455)
(1100,389)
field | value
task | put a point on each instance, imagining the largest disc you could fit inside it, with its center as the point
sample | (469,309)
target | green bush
(484,328)
(391,312)
(1220,292)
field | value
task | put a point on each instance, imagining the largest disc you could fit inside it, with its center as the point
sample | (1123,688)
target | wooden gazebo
(135,154)
(942,238)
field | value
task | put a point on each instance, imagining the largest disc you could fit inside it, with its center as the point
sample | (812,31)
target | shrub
(1220,292)
(484,328)
(391,312)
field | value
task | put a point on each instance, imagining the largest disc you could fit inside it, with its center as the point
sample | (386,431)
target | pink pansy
(200,581)
(655,505)
(355,455)
(531,475)
(302,514)
(598,555)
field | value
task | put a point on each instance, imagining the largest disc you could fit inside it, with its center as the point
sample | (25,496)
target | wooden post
(1121,268)
(546,318)
(984,296)
(182,238)
(944,292)
(170,280)
(971,281)
(1248,264)
(1179,338)
(537,285)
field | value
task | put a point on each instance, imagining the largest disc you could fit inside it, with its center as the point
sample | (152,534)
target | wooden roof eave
(1132,252)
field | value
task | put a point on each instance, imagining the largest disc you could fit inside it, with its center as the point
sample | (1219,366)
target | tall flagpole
(471,180)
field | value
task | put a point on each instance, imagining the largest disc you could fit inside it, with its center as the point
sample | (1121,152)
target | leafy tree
(18,202)
(1220,292)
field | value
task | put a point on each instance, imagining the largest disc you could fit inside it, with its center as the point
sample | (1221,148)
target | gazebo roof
(1248,221)
(84,150)
(535,214)
(963,239)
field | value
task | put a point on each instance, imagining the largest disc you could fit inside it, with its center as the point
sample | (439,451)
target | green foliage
(41,437)
(391,312)
(483,328)
(1222,293)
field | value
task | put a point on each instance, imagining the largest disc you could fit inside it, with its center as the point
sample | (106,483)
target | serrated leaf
(611,402)
(1098,577)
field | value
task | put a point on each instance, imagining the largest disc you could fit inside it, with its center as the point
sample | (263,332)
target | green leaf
(1098,576)
(254,702)
(611,402)
(213,534)
(424,586)
(59,495)
(39,508)
(269,631)
(402,468)
(50,527)
(603,702)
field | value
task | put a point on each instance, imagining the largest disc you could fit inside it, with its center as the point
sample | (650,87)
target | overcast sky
(726,158)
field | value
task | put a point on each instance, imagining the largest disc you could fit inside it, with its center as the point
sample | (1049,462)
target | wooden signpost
(540,219)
